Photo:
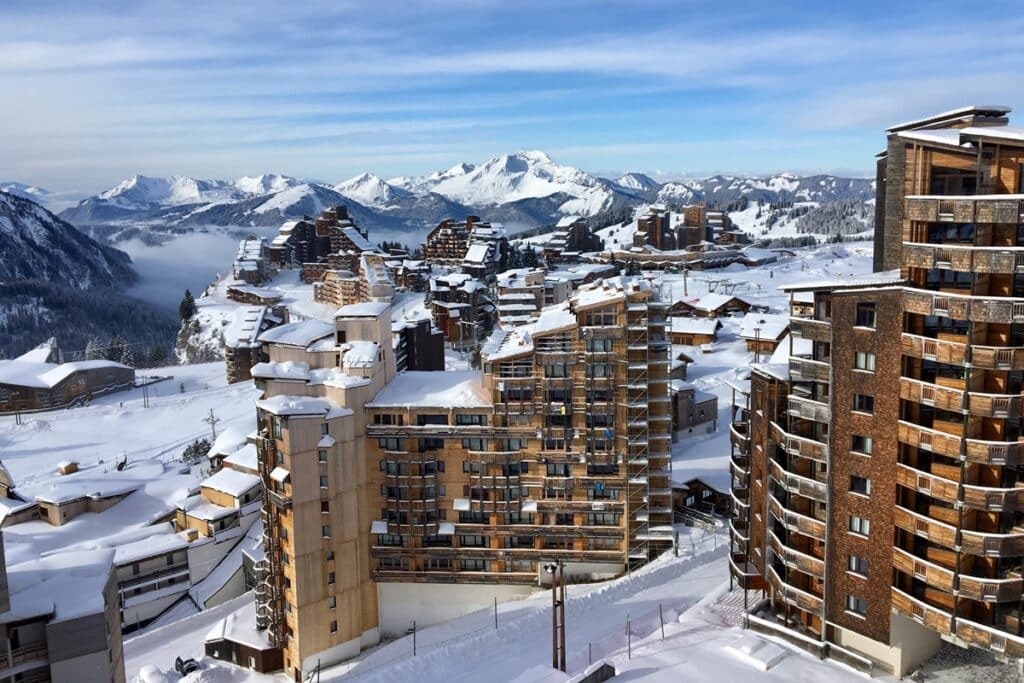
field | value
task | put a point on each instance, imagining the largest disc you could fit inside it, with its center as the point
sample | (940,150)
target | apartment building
(875,474)
(462,308)
(418,345)
(451,244)
(521,295)
(424,495)
(59,619)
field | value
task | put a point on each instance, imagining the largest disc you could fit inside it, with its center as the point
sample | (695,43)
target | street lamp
(557,572)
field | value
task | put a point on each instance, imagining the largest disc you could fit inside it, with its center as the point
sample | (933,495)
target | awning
(280,475)
(378,527)
(445,529)
(461,504)
(529,506)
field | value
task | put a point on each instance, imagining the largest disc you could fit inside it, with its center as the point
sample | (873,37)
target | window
(321,455)
(866,315)
(323,428)
(461,419)
(859,525)
(325,530)
(276,424)
(856,605)
(556,370)
(330,555)
(471,541)
(864,360)
(325,507)
(473,565)
(323,481)
(603,345)
(334,627)
(474,444)
(330,578)
(332,602)
(861,485)
(390,444)
(858,565)
(863,403)
(862,444)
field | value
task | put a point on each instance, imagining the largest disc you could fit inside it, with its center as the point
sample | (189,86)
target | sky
(93,94)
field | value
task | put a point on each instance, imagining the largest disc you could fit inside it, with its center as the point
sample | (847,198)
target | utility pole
(557,572)
(212,420)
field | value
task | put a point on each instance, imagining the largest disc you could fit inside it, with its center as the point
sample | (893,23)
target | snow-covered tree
(187,307)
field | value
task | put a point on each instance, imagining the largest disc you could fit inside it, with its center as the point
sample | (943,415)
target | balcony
(807,370)
(800,599)
(808,409)
(745,572)
(995,405)
(991,590)
(994,452)
(931,440)
(796,522)
(997,357)
(935,486)
(993,208)
(962,307)
(813,330)
(933,530)
(939,350)
(931,394)
(279,500)
(799,445)
(991,544)
(796,484)
(964,258)
(921,612)
(794,559)
(738,436)
(990,638)
(993,499)
(933,574)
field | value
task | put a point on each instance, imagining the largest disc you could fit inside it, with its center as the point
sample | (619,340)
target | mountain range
(524,189)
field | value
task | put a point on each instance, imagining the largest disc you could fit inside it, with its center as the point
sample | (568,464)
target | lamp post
(757,344)
(557,572)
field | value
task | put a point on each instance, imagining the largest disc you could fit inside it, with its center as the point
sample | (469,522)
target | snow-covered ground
(111,428)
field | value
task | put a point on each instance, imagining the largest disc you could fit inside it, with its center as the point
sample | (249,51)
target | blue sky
(94,94)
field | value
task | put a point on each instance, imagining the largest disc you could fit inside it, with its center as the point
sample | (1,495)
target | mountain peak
(265,183)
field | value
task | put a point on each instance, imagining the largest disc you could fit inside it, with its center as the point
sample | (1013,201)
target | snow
(245,457)
(281,370)
(30,373)
(708,303)
(360,354)
(266,183)
(285,199)
(292,406)
(231,482)
(150,546)
(240,627)
(370,190)
(477,253)
(1011,133)
(690,325)
(763,326)
(433,389)
(301,333)
(67,584)
(366,309)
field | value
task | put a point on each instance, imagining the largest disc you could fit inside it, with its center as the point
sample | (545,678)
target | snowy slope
(371,190)
(266,183)
(36,194)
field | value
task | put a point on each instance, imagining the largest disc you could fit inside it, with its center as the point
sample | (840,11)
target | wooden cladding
(931,394)
(990,638)
(976,309)
(809,410)
(796,522)
(813,330)
(794,559)
(965,259)
(930,440)
(934,618)
(939,350)
(992,545)
(994,452)
(925,527)
(933,574)
(980,209)
(807,370)
(923,482)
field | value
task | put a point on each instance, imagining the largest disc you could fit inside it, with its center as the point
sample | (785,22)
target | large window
(862,444)
(864,360)
(858,565)
(861,485)
(866,314)
(856,605)
(859,525)
(863,403)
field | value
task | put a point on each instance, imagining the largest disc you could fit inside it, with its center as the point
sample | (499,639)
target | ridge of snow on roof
(688,325)
(68,584)
(47,375)
(285,405)
(245,457)
(943,136)
(1014,133)
(711,302)
(300,333)
(477,252)
(240,627)
(289,369)
(996,109)
(609,290)
(231,482)
(434,389)
(767,326)
(888,277)
(360,354)
(366,309)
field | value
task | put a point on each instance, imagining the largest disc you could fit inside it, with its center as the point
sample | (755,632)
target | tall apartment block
(424,495)
(876,475)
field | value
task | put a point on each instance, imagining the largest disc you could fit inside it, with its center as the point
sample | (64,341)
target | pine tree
(187,307)
(94,349)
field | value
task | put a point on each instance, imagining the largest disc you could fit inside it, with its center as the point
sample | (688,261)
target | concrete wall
(432,603)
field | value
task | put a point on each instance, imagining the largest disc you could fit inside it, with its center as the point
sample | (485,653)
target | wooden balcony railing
(813,330)
(925,527)
(992,545)
(738,436)
(797,597)
(794,521)
(963,307)
(994,452)
(794,559)
(995,405)
(798,485)
(990,638)
(991,208)
(929,572)
(930,484)
(933,349)
(807,409)
(931,440)
(931,394)
(992,499)
(997,357)
(807,370)
(991,590)
(934,618)
(963,258)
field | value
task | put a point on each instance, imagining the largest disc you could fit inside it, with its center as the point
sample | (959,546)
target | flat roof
(434,389)
(970,110)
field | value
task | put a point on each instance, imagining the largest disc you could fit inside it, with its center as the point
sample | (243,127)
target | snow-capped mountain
(266,183)
(36,194)
(371,190)
(36,245)
(638,182)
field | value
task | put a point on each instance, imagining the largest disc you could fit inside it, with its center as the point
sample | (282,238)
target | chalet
(33,382)
(701,496)
(752,256)
(236,639)
(690,331)
(680,363)
(762,331)
(710,306)
(692,407)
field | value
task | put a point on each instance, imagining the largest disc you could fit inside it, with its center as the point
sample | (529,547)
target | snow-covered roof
(434,389)
(1010,133)
(942,136)
(888,277)
(240,627)
(553,318)
(985,110)
(48,375)
(763,326)
(281,370)
(477,253)
(68,585)
(301,333)
(245,457)
(230,439)
(779,371)
(609,290)
(150,546)
(711,302)
(231,482)
(200,508)
(357,238)
(244,326)
(366,309)
(360,354)
(689,325)
(294,406)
